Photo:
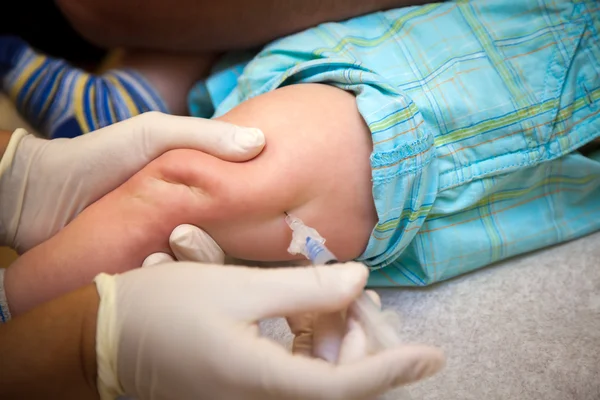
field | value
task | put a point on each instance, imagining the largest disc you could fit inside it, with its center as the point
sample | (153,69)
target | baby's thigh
(316,166)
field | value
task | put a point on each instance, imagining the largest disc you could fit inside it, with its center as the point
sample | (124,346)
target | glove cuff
(107,341)
(10,213)
(4,310)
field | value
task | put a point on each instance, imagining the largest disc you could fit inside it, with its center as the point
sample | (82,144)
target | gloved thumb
(355,343)
(300,290)
(157,259)
(162,132)
(190,243)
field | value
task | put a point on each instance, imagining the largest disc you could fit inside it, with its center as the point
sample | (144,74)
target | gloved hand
(327,336)
(189,243)
(334,337)
(189,331)
(45,183)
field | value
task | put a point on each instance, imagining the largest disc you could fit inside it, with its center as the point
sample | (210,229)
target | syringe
(381,327)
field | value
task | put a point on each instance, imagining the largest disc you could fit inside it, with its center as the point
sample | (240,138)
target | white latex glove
(189,243)
(44,184)
(335,337)
(330,336)
(189,331)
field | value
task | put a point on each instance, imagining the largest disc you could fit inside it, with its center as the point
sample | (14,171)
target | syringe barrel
(318,253)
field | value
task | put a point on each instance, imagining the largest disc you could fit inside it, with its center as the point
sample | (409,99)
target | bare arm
(204,25)
(315,165)
(49,353)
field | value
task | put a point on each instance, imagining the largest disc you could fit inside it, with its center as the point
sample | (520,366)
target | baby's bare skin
(315,165)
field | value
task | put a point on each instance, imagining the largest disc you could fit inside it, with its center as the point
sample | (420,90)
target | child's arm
(315,165)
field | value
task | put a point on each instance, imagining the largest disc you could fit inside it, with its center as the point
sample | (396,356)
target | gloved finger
(329,332)
(162,132)
(157,259)
(339,338)
(300,290)
(355,344)
(367,378)
(190,243)
(374,296)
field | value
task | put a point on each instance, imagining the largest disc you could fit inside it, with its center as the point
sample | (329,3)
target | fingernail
(249,138)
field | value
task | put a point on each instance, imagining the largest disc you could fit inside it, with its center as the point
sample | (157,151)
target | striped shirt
(59,100)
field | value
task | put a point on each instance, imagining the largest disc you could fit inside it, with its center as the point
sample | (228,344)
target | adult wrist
(106,343)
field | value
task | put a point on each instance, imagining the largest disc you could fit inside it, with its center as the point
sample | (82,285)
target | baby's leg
(60,100)
(315,165)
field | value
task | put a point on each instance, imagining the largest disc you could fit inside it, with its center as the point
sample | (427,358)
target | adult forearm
(49,353)
(204,25)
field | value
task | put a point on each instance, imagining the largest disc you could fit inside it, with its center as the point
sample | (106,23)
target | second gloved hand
(189,331)
(326,336)
(189,243)
(46,183)
(336,337)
